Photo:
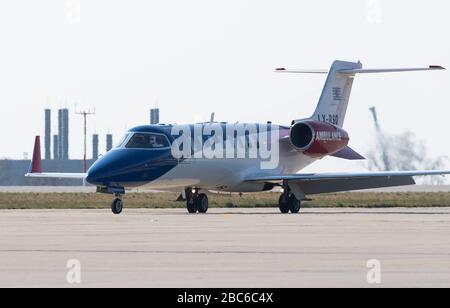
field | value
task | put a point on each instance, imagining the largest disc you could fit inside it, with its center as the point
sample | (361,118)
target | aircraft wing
(35,170)
(56,175)
(318,183)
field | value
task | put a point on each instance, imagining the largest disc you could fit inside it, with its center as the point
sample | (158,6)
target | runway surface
(225,248)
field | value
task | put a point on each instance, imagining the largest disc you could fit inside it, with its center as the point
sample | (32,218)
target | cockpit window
(122,141)
(148,141)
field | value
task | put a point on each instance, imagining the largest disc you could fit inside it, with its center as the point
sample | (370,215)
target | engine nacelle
(317,139)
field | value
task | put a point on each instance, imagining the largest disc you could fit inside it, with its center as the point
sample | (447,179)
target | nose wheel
(117,206)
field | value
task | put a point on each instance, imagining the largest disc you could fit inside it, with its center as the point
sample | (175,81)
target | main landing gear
(196,202)
(117,205)
(288,202)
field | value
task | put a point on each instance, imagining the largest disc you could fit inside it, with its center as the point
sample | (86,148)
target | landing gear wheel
(117,206)
(190,205)
(283,204)
(201,203)
(294,204)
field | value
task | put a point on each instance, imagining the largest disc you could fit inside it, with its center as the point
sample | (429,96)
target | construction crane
(381,141)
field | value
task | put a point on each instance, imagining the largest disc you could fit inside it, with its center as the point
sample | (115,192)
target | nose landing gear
(117,205)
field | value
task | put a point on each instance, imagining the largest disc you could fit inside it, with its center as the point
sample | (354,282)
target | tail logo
(337,94)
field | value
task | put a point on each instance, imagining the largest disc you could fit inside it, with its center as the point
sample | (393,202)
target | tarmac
(235,248)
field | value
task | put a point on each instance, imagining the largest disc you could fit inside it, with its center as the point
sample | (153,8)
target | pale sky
(193,57)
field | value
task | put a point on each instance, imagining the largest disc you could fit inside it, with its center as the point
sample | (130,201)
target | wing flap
(342,176)
(318,183)
(337,185)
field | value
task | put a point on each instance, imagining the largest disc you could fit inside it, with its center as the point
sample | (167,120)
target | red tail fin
(36,162)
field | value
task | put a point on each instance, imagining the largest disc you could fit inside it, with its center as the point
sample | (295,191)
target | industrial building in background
(57,155)
(61,140)
(154,116)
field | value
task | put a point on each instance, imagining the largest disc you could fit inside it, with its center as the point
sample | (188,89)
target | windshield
(148,141)
(122,140)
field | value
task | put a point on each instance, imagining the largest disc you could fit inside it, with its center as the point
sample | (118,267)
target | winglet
(36,166)
(437,67)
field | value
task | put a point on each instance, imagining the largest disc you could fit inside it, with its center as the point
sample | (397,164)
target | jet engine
(317,139)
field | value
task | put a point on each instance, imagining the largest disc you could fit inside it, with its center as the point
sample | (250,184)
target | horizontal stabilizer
(336,92)
(363,70)
(313,71)
(349,154)
(392,70)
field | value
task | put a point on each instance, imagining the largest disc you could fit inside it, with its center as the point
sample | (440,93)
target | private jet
(214,156)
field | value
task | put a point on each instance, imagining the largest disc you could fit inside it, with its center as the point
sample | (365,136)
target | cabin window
(148,141)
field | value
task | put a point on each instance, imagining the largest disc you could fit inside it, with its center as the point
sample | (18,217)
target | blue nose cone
(92,176)
(129,167)
(100,172)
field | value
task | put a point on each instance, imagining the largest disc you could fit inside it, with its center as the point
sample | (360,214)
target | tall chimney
(48,132)
(63,133)
(55,147)
(95,147)
(154,116)
(60,134)
(109,142)
(65,114)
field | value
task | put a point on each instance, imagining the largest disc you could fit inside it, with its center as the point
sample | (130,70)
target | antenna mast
(84,114)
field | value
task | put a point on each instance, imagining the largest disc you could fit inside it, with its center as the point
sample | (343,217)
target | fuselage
(130,164)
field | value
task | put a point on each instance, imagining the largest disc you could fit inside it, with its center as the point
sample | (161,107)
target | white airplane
(237,157)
